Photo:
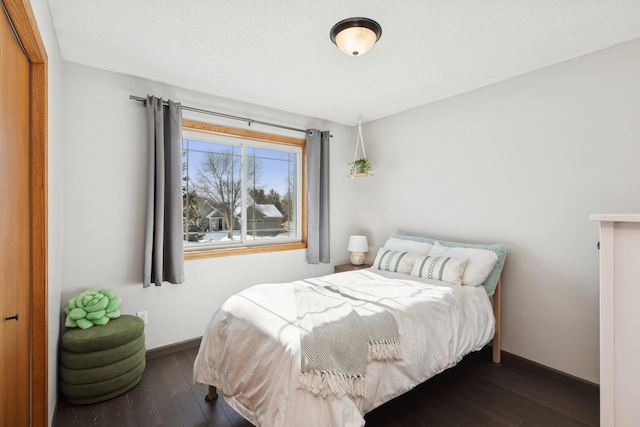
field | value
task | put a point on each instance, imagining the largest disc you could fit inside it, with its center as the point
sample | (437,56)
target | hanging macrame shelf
(359,140)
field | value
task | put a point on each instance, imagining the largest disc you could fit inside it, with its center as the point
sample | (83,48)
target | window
(242,191)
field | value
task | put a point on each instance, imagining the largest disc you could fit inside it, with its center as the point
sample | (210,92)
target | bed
(255,350)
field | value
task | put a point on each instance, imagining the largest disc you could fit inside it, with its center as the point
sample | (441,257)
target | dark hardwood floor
(474,393)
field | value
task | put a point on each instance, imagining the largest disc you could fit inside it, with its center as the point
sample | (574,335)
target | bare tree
(287,205)
(192,213)
(219,183)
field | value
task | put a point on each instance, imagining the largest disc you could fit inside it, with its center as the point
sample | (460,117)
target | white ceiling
(277,53)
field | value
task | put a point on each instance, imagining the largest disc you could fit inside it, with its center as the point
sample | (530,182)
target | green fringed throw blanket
(341,329)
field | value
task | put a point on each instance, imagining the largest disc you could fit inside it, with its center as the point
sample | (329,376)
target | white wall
(104,204)
(523,162)
(42,14)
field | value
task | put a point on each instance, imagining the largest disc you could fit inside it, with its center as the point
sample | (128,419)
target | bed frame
(212,393)
(497,310)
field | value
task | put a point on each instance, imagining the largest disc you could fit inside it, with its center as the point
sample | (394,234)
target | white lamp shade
(358,244)
(356,41)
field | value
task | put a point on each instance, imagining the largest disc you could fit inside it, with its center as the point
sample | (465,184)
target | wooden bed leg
(497,360)
(212,394)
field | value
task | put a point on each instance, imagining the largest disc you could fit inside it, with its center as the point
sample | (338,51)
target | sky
(273,166)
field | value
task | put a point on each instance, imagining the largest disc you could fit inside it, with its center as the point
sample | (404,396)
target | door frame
(26,27)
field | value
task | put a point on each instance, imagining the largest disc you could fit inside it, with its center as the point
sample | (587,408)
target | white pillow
(395,261)
(404,245)
(479,265)
(445,269)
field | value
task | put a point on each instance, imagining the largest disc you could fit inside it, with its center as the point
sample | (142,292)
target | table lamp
(358,245)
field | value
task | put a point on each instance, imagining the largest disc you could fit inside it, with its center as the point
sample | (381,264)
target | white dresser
(619,319)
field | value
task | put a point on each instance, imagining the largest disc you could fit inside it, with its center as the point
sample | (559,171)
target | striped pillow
(395,261)
(445,269)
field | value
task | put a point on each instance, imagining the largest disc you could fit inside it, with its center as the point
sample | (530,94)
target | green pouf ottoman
(95,359)
(102,362)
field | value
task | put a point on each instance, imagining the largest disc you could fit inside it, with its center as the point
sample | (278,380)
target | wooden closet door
(15,234)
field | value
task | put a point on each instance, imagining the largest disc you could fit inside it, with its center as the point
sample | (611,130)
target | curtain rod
(227,116)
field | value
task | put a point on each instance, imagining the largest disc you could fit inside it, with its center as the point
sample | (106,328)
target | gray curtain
(163,253)
(318,197)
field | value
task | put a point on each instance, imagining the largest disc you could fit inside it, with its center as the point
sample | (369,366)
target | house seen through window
(239,192)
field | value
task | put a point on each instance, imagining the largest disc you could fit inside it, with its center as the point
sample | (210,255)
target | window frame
(242,249)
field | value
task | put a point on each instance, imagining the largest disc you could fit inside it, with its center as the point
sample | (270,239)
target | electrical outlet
(144,315)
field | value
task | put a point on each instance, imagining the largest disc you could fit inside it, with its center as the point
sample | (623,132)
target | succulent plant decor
(92,307)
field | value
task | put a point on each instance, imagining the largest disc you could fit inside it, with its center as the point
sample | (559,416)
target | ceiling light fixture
(355,36)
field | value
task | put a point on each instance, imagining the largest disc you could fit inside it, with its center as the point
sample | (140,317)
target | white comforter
(251,349)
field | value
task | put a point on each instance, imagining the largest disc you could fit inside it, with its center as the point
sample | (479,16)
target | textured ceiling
(277,53)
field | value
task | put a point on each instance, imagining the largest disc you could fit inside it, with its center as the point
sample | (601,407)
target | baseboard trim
(173,348)
(545,371)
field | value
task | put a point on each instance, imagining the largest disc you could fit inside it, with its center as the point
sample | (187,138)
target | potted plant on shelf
(360,166)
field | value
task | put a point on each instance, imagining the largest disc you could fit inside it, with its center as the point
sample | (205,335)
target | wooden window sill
(242,250)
